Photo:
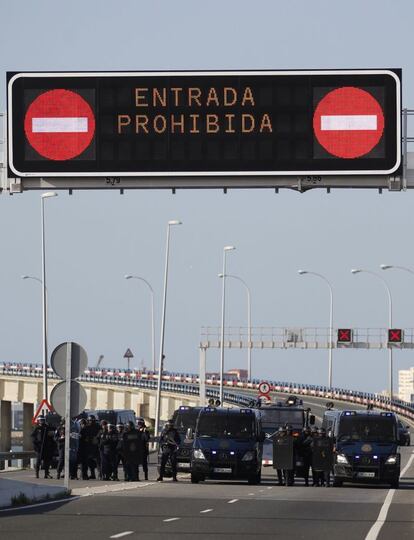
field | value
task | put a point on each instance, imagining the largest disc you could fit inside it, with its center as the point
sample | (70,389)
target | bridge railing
(171,384)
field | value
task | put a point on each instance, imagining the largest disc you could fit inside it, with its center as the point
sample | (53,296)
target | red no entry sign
(348,122)
(59,124)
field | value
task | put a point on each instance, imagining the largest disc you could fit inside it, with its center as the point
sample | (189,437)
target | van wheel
(337,483)
(254,479)
(195,479)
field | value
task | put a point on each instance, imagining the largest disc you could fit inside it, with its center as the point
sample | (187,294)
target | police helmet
(41,420)
(281,430)
(92,417)
(322,431)
(169,424)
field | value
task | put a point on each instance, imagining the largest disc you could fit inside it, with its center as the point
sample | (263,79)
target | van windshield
(367,428)
(272,419)
(219,426)
(185,419)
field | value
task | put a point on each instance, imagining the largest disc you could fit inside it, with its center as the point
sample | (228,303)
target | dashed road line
(170,519)
(251,494)
(120,535)
(206,510)
(382,516)
(232,501)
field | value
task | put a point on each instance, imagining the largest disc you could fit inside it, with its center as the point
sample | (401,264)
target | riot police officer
(43,445)
(60,441)
(145,438)
(92,449)
(131,451)
(169,443)
(104,443)
(322,456)
(119,456)
(305,452)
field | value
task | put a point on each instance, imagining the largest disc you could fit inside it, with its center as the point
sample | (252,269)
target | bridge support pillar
(5,426)
(202,378)
(28,411)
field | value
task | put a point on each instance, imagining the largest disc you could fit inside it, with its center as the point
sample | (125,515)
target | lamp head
(175,222)
(25,277)
(220,275)
(49,194)
(355,271)
(301,272)
(229,248)
(385,266)
(128,276)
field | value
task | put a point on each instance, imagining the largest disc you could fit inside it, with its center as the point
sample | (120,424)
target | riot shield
(283,452)
(322,454)
(132,447)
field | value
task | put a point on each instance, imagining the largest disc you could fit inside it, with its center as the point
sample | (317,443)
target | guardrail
(135,379)
(21,460)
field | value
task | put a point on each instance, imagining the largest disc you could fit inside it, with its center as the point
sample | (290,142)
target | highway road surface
(223,511)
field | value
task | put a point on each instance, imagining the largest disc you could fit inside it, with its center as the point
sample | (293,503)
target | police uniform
(43,445)
(169,443)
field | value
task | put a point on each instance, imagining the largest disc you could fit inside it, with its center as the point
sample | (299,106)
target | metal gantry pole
(129,276)
(164,305)
(390,356)
(223,306)
(44,308)
(249,323)
(330,344)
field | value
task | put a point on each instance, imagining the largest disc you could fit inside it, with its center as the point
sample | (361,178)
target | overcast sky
(95,237)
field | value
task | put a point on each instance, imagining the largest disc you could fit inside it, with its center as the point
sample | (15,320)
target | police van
(275,415)
(227,444)
(184,420)
(366,444)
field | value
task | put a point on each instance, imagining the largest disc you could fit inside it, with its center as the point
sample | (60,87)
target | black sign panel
(344,335)
(322,454)
(283,452)
(395,335)
(160,124)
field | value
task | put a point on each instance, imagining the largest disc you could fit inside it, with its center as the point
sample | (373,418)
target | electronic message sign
(204,124)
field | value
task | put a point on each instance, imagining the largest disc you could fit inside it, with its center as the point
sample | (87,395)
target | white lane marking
(60,125)
(271,487)
(376,528)
(251,494)
(206,510)
(349,122)
(120,535)
(232,501)
(170,519)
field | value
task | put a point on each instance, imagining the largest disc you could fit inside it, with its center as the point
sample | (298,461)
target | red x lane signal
(395,335)
(344,335)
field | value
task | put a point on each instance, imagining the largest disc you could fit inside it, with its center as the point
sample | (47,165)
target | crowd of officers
(101,448)
(312,449)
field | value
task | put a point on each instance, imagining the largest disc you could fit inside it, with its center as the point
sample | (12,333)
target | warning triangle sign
(128,354)
(44,405)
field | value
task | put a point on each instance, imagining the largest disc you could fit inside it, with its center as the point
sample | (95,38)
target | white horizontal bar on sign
(60,125)
(349,122)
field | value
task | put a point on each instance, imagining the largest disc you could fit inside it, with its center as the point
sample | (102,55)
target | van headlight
(342,459)
(248,456)
(199,454)
(392,460)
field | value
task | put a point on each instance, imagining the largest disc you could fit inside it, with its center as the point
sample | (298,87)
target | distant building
(406,384)
(236,374)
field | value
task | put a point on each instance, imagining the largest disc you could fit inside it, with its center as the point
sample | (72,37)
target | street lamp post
(164,305)
(44,196)
(249,323)
(129,276)
(302,272)
(390,360)
(223,306)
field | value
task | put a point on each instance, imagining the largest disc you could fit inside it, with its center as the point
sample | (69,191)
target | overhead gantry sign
(204,129)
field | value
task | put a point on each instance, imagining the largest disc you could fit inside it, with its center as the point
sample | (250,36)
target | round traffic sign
(264,387)
(59,124)
(348,122)
(78,398)
(78,359)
